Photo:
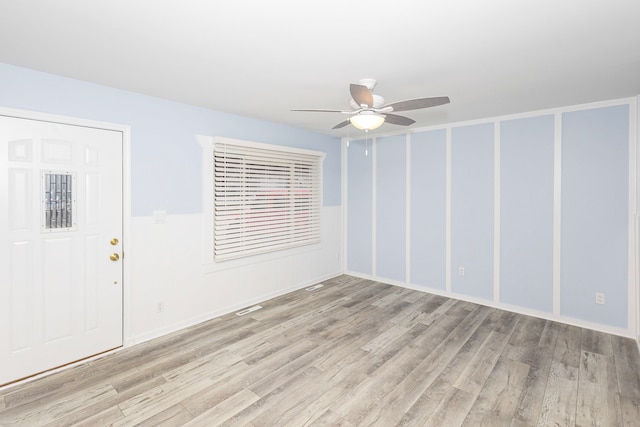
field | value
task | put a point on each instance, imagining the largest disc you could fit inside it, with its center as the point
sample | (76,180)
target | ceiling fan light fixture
(364,121)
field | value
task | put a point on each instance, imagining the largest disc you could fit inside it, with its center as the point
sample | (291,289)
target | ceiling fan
(370,112)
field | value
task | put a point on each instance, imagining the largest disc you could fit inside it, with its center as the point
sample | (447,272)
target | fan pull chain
(366,142)
(348,136)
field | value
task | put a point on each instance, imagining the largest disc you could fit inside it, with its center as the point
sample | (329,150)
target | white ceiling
(262,58)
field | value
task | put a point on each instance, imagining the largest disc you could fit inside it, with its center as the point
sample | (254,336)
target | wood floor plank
(385,339)
(330,419)
(419,393)
(568,346)
(173,416)
(627,362)
(549,334)
(498,400)
(441,374)
(598,404)
(597,342)
(87,410)
(452,410)
(335,384)
(43,412)
(367,397)
(277,377)
(416,408)
(524,347)
(223,388)
(107,417)
(65,382)
(155,400)
(223,385)
(225,409)
(475,374)
(561,396)
(353,352)
(254,412)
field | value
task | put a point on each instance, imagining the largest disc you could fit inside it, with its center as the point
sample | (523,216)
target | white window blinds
(264,199)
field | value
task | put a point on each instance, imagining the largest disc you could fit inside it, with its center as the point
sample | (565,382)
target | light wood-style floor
(354,352)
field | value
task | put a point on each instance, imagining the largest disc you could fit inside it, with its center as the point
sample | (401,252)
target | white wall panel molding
(496,212)
(407,199)
(565,109)
(636,130)
(634,304)
(556,296)
(344,168)
(449,267)
(372,151)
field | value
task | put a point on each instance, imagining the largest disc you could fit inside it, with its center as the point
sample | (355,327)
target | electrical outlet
(160,307)
(599,298)
(160,217)
(460,271)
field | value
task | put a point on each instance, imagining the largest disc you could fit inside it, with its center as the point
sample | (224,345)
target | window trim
(207,144)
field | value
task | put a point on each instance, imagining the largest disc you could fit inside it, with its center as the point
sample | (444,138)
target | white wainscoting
(169,289)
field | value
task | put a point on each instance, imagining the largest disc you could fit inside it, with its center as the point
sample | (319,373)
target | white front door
(60,244)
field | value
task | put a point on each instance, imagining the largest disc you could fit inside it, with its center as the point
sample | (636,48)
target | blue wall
(391,207)
(359,212)
(472,210)
(428,208)
(595,187)
(526,212)
(166,161)
(594,212)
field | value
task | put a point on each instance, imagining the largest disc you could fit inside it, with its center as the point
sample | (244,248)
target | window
(58,201)
(265,198)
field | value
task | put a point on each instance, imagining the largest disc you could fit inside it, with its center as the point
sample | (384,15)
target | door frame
(126,206)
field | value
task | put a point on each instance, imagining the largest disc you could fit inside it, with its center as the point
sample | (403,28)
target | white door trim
(126,195)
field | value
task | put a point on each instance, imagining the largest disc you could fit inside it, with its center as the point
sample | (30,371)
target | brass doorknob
(114,241)
(114,257)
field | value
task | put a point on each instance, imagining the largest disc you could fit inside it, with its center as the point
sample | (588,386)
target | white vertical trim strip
(557,210)
(448,210)
(374,202)
(496,212)
(345,197)
(407,193)
(637,229)
(632,310)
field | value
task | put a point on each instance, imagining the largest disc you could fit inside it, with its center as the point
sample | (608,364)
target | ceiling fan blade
(322,111)
(394,119)
(416,104)
(361,94)
(341,124)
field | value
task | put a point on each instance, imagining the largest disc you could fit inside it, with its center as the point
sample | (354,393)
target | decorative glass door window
(58,201)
